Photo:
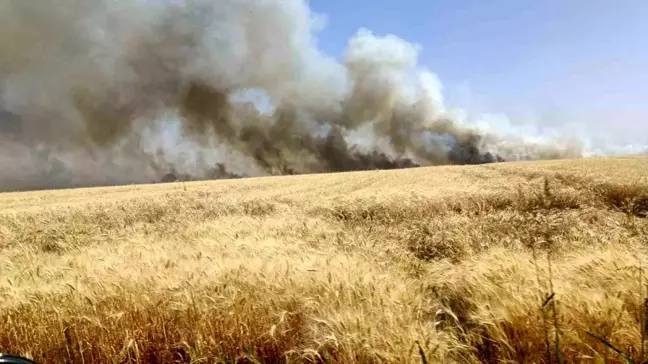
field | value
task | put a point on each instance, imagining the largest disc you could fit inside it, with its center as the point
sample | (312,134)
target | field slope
(452,263)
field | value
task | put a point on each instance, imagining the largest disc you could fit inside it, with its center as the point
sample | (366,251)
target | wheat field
(523,262)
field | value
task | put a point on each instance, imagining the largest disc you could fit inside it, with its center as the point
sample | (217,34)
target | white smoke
(124,92)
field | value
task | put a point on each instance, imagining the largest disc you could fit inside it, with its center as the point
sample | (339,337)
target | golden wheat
(347,267)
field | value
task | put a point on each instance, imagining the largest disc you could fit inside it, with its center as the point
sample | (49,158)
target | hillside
(346,267)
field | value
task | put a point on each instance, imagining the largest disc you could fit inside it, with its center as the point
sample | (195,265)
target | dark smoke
(103,92)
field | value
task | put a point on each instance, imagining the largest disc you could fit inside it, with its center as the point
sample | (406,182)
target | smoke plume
(112,92)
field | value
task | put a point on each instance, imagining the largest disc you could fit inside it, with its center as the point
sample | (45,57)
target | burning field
(106,93)
(460,260)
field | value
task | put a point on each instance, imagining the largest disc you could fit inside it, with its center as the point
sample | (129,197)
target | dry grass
(348,267)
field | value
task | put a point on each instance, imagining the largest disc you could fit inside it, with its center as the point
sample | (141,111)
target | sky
(548,62)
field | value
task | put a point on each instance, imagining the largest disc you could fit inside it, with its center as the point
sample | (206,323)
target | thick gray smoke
(111,92)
